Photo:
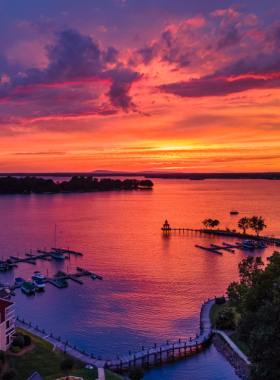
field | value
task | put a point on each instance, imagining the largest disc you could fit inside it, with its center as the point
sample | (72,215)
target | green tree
(67,364)
(259,324)
(244,224)
(10,374)
(248,268)
(257,224)
(136,373)
(225,319)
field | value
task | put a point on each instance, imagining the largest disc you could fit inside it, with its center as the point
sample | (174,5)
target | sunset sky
(189,86)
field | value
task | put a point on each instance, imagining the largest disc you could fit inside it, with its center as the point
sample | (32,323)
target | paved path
(61,345)
(101,374)
(233,346)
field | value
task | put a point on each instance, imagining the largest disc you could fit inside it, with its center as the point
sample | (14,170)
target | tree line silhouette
(26,185)
(256,223)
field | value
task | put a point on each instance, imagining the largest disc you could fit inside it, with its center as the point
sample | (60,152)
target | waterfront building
(7,327)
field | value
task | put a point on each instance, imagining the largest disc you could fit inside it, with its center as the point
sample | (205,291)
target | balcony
(10,314)
(10,329)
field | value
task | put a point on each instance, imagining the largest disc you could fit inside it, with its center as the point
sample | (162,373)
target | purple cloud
(75,58)
(196,88)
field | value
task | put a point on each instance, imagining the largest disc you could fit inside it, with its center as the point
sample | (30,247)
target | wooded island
(28,185)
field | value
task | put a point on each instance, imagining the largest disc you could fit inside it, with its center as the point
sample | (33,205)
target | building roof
(4,293)
(35,376)
(6,303)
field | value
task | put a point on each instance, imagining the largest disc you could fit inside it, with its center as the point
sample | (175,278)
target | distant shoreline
(82,184)
(154,174)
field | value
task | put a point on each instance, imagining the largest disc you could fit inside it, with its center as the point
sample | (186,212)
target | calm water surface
(153,284)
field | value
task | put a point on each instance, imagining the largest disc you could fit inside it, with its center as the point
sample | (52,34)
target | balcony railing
(10,314)
(10,329)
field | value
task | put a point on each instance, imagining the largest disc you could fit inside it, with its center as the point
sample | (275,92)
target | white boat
(260,244)
(93,276)
(249,244)
(38,276)
(39,284)
(58,255)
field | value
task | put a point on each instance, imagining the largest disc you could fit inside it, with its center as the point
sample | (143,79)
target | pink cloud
(251,20)
(197,21)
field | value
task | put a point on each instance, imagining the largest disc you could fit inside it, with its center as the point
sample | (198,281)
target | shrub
(17,333)
(220,300)
(18,341)
(136,373)
(67,364)
(15,349)
(27,340)
(1,366)
(10,374)
(2,357)
(225,319)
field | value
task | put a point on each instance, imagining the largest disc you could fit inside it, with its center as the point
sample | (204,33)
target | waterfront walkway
(184,346)
(64,346)
(233,346)
(194,344)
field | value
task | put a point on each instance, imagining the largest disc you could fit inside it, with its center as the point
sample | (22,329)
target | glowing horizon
(129,86)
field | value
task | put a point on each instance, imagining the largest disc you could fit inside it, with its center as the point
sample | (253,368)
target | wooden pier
(209,249)
(154,355)
(272,241)
(160,353)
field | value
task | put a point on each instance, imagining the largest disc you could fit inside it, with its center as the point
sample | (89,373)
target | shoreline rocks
(240,367)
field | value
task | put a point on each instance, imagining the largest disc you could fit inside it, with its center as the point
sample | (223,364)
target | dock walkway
(193,345)
(157,351)
(64,346)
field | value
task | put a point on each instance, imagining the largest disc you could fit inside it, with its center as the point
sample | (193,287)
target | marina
(60,278)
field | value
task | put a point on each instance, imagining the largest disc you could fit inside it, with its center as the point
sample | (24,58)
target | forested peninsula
(28,185)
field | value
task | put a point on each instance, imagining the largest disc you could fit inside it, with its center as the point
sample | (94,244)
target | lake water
(153,284)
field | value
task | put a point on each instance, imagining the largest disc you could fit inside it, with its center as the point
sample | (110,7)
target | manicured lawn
(241,345)
(47,362)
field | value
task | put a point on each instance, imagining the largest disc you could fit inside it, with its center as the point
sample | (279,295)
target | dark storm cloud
(75,58)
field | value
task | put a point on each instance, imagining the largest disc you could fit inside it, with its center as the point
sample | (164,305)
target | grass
(47,362)
(215,310)
(241,345)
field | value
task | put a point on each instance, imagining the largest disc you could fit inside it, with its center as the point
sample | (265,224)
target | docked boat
(28,287)
(234,212)
(62,282)
(19,280)
(260,244)
(38,276)
(93,276)
(40,285)
(58,255)
(249,244)
(3,265)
